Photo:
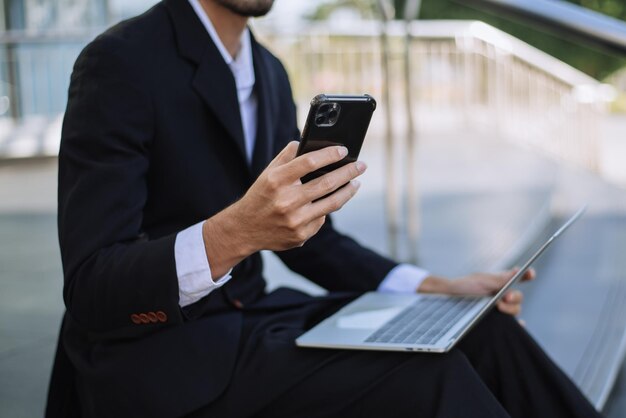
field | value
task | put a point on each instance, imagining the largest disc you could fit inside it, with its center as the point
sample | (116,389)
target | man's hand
(480,284)
(278,212)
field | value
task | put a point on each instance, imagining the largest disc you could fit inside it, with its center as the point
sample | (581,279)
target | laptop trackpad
(370,319)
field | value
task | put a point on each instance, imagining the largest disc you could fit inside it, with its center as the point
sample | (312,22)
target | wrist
(224,243)
(434,284)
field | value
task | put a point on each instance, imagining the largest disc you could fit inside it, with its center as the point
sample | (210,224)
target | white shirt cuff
(403,278)
(192,266)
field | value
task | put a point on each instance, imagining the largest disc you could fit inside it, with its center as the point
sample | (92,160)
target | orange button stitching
(152,317)
(161,316)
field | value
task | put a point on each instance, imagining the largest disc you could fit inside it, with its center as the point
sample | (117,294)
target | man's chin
(247,8)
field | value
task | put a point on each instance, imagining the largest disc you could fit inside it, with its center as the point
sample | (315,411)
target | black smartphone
(336,120)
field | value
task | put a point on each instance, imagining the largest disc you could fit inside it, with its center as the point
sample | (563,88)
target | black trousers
(497,370)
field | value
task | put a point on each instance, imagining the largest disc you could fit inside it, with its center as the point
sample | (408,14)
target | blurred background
(496,120)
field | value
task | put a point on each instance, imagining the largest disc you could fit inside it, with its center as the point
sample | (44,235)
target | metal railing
(566,19)
(35,69)
(467,72)
(463,74)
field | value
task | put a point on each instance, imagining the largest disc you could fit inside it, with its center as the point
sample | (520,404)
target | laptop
(411,322)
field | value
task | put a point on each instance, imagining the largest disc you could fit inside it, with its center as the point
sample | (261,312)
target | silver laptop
(410,322)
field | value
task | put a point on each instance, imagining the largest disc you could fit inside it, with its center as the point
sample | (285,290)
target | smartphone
(336,120)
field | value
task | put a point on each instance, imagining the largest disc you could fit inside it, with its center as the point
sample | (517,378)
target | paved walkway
(30,285)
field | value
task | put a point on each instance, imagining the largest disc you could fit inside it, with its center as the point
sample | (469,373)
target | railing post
(411,11)
(13,81)
(391,198)
(13,14)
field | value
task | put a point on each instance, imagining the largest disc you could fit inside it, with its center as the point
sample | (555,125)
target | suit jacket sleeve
(330,259)
(112,269)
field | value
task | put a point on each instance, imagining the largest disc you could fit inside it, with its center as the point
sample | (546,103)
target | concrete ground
(30,285)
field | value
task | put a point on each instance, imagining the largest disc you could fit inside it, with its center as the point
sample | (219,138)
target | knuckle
(301,236)
(310,162)
(281,207)
(293,224)
(327,183)
(354,171)
(333,153)
(317,224)
(272,179)
(336,203)
(353,189)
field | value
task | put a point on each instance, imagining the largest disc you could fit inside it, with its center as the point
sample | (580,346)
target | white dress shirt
(192,266)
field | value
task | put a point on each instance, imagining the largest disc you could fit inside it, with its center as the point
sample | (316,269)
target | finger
(334,202)
(494,282)
(529,275)
(314,226)
(509,308)
(478,284)
(513,296)
(503,277)
(303,231)
(508,275)
(330,182)
(311,161)
(285,155)
(511,302)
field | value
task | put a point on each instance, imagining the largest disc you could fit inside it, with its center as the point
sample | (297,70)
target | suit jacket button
(161,316)
(237,304)
(152,317)
(135,318)
(144,318)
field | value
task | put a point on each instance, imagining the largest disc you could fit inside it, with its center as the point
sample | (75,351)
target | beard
(247,8)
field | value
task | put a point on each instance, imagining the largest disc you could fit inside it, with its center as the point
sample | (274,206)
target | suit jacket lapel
(264,88)
(213,80)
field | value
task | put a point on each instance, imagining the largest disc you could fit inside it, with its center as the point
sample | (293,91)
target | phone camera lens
(327,114)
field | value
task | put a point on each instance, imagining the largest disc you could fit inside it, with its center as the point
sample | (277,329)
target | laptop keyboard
(423,322)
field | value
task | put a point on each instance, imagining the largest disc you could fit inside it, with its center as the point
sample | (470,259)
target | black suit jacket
(152,143)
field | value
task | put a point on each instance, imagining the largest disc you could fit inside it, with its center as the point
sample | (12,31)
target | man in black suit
(177,166)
